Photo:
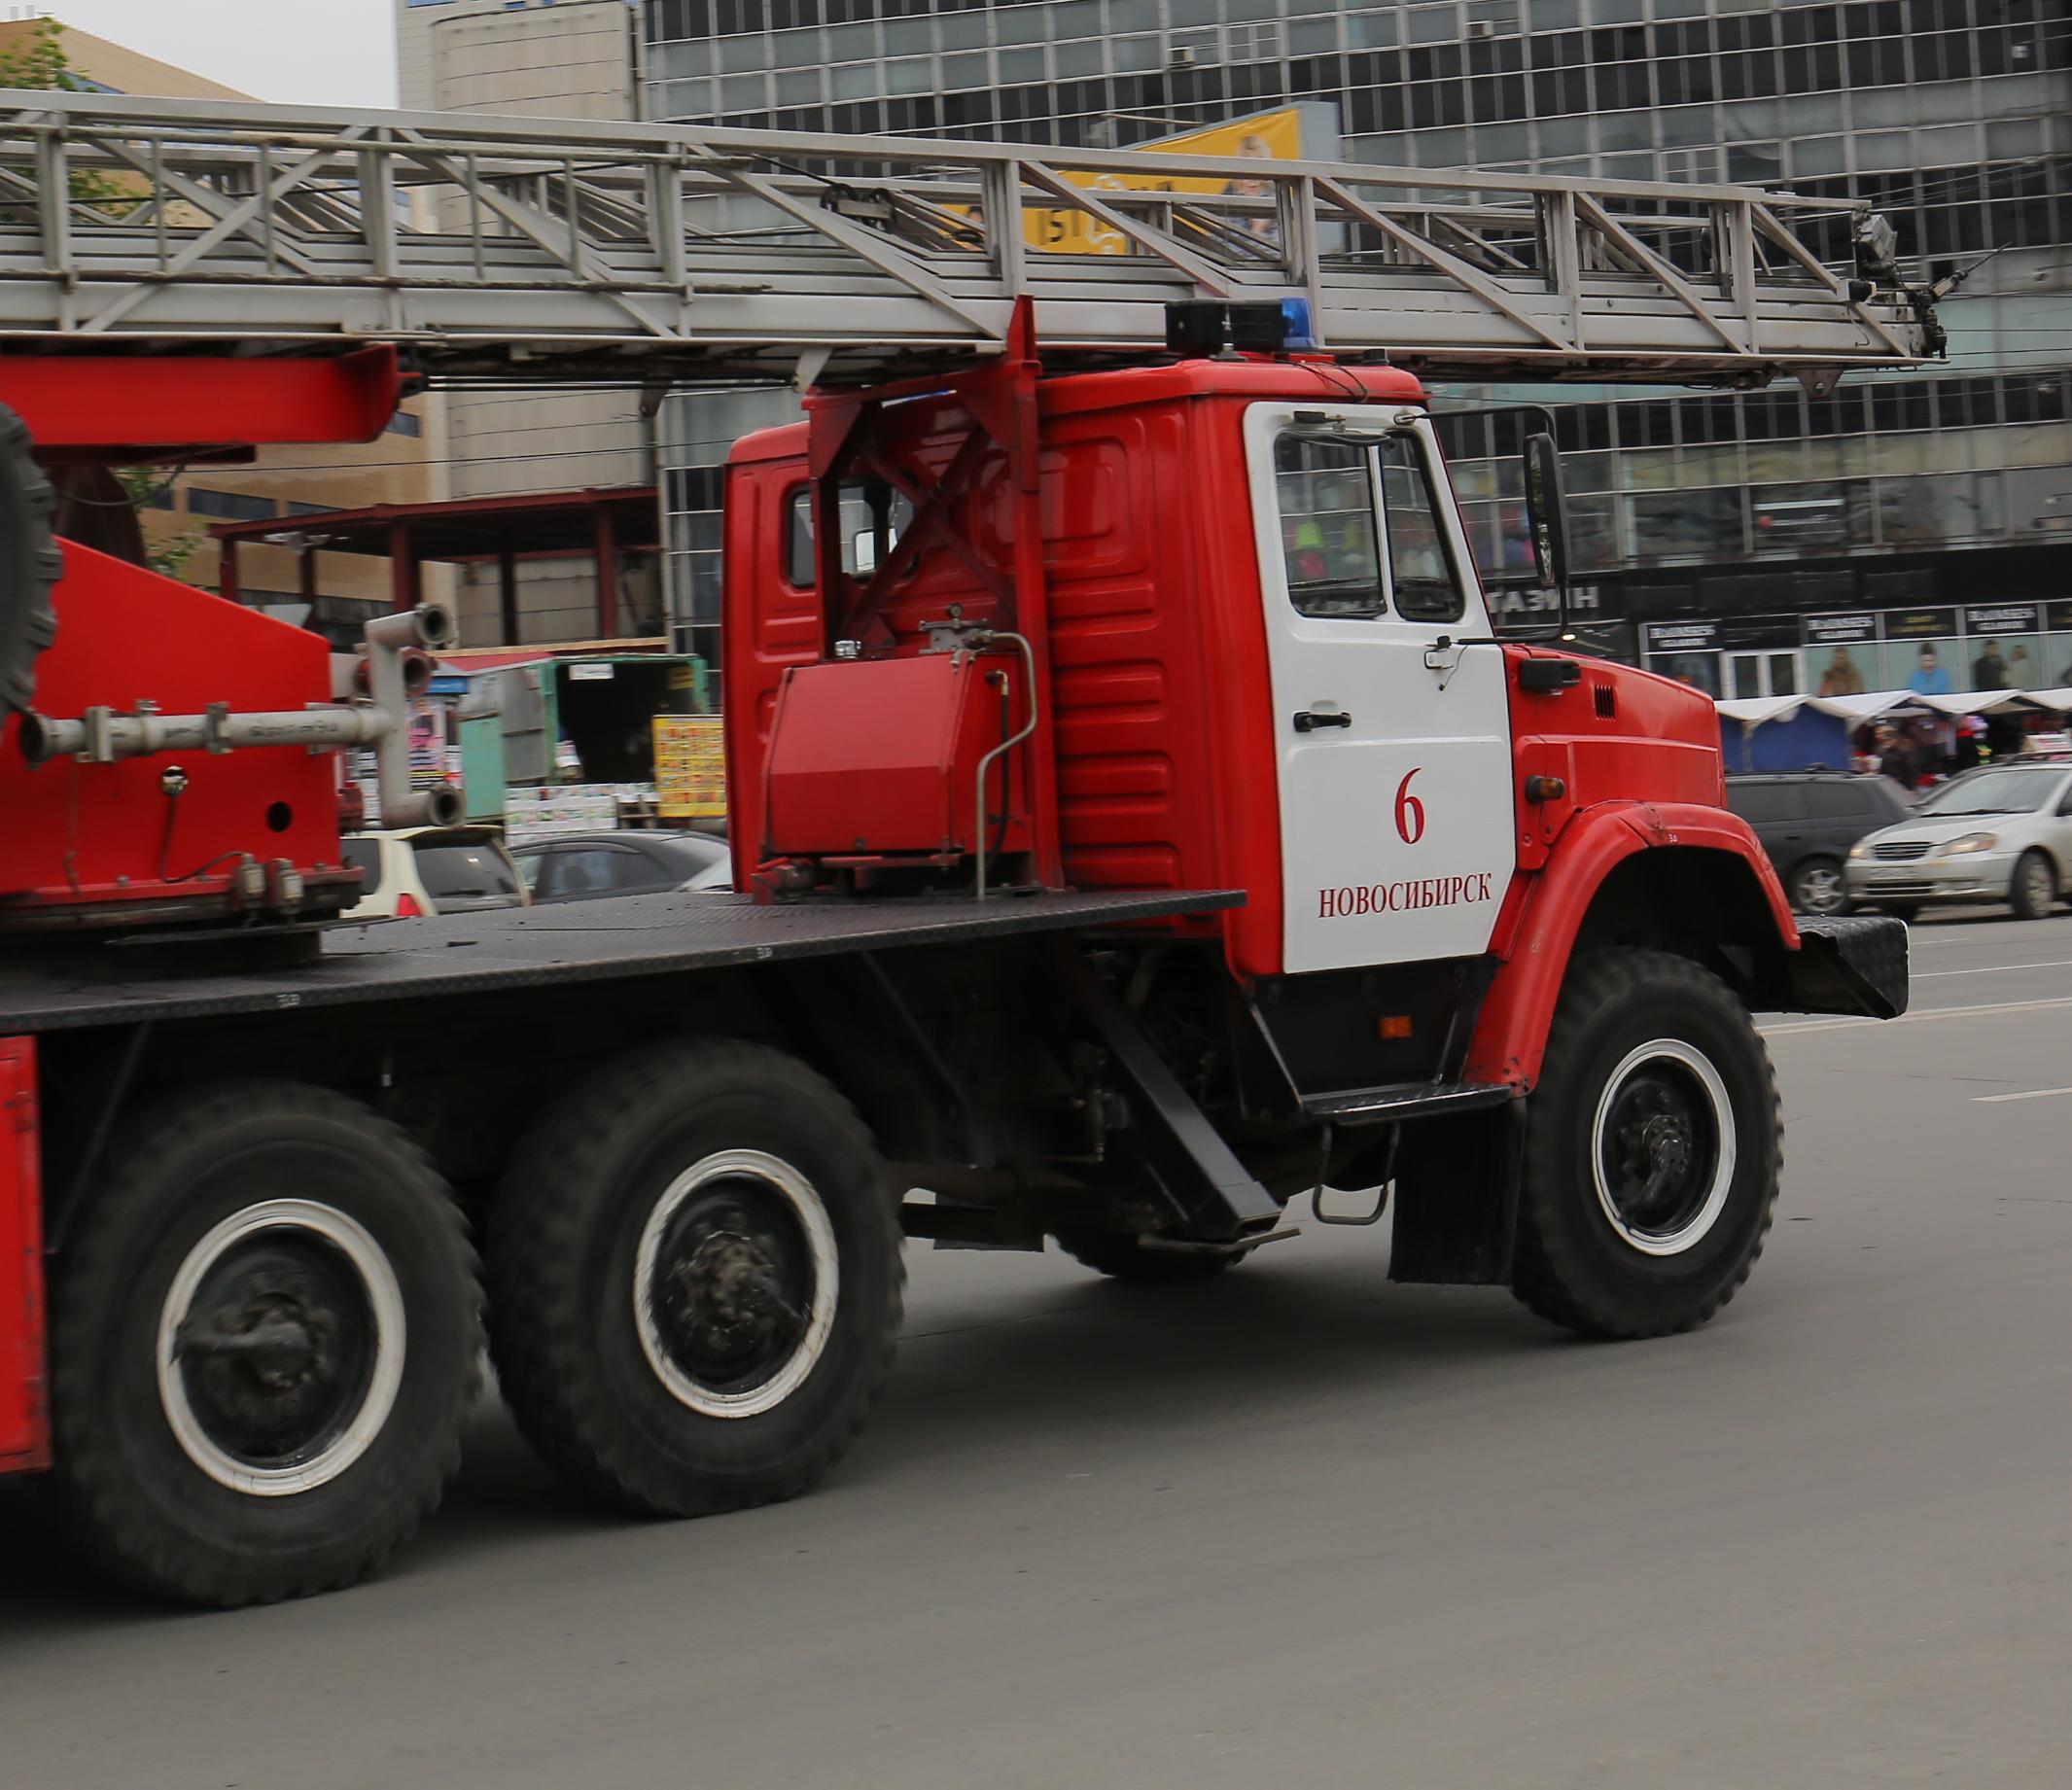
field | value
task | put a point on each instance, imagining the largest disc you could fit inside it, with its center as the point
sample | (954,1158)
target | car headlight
(1861,849)
(1970,842)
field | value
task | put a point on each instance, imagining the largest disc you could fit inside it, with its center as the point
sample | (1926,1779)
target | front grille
(1900,851)
(1898,892)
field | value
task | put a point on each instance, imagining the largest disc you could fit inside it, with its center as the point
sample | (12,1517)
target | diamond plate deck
(583,941)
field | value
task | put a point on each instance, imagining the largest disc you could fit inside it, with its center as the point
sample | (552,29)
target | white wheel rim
(1820,887)
(1688,1234)
(818,1230)
(384,1299)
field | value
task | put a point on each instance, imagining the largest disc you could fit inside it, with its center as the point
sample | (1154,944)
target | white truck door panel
(1394,775)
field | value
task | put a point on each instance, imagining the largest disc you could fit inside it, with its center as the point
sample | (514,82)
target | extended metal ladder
(543,248)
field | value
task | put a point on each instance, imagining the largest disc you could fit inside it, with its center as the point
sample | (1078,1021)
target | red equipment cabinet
(109,837)
(24,1432)
(882,760)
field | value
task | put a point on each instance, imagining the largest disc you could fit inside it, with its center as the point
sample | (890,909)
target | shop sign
(1681,636)
(2001,618)
(590,671)
(1840,630)
(1919,623)
(2058,617)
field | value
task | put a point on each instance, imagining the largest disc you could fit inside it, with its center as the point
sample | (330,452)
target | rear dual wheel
(696,1280)
(264,1333)
(1653,1150)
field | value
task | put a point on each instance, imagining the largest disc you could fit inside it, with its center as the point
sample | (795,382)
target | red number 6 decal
(1409,811)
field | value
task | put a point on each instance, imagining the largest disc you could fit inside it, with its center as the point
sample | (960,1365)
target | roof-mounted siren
(1199,328)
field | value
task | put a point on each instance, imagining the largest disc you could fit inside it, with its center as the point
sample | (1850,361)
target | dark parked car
(1808,820)
(582,866)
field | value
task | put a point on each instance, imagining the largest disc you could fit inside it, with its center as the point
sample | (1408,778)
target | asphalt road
(1296,1529)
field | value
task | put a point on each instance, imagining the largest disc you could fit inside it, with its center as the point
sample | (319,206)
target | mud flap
(1456,1198)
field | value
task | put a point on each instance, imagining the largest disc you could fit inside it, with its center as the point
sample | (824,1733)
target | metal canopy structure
(605,525)
(536,249)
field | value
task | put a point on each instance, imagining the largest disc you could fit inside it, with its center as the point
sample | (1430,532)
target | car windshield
(2008,791)
(458,869)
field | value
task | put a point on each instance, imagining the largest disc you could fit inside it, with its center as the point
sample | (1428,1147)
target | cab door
(1394,752)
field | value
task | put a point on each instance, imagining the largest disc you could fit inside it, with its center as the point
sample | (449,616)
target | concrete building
(1737,540)
(399,467)
(575,59)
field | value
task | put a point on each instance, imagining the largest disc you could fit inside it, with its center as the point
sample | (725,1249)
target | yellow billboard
(690,767)
(1266,136)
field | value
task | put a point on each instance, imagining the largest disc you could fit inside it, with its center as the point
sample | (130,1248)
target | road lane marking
(1991,969)
(1911,1019)
(1994,1100)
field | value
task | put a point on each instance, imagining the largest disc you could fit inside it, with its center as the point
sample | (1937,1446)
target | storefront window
(1950,506)
(1810,518)
(1686,525)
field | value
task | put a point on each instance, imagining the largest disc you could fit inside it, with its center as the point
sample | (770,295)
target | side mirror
(1546,511)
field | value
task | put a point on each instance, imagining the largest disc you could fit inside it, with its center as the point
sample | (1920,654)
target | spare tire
(29,564)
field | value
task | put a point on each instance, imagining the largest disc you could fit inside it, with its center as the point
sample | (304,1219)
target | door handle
(1308,720)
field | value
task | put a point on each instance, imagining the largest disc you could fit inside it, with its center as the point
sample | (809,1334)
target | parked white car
(417,870)
(2002,833)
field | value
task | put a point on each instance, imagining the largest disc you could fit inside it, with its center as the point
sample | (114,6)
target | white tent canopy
(1754,710)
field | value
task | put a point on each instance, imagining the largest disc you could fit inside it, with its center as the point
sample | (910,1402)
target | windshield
(1993,792)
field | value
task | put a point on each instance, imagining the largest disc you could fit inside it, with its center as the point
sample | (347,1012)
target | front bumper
(1855,964)
(1977,876)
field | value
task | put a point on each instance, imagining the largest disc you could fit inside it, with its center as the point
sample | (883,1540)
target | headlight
(1970,842)
(1860,850)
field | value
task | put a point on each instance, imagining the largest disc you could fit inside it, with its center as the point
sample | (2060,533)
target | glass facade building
(1737,540)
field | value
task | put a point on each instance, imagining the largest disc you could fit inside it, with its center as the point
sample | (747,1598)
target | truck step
(1407,1100)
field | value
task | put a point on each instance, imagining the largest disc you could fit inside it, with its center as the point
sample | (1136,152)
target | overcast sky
(335,53)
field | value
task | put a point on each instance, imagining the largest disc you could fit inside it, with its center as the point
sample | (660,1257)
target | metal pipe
(397,666)
(986,637)
(391,642)
(101,735)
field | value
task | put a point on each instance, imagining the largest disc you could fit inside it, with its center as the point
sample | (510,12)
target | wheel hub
(280,1348)
(1664,1148)
(722,1298)
(734,1283)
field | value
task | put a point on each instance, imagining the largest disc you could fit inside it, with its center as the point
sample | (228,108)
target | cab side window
(874,517)
(1328,542)
(1420,561)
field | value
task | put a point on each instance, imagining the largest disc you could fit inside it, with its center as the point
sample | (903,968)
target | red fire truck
(1139,825)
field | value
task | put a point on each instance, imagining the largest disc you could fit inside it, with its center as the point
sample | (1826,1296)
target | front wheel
(1653,1150)
(2033,888)
(695,1280)
(264,1335)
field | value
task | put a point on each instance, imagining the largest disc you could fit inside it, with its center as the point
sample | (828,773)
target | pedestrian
(1897,760)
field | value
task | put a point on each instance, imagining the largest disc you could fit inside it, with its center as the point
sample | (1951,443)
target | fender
(24,1428)
(1511,1031)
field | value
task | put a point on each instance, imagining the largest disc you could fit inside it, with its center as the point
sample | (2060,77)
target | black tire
(586,1381)
(1125,1258)
(2032,888)
(30,562)
(1662,1264)
(148,1459)
(1908,911)
(1817,888)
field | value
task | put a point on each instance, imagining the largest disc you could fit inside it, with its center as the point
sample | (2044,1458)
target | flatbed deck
(58,989)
